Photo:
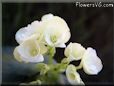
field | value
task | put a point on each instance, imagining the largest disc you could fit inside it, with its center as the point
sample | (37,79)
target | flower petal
(24,33)
(92,64)
(48,40)
(16,55)
(62,45)
(47,17)
(43,48)
(38,58)
(29,51)
(74,51)
(73,76)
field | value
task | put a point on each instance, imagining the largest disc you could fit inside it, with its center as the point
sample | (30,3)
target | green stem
(51,54)
(50,59)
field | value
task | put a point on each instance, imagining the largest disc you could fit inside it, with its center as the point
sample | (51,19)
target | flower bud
(74,51)
(73,76)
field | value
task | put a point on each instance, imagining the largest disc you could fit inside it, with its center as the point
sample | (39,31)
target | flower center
(53,38)
(72,76)
(33,52)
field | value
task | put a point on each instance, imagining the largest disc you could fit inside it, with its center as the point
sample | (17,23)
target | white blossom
(74,51)
(42,37)
(25,32)
(92,64)
(52,30)
(56,32)
(73,76)
(30,51)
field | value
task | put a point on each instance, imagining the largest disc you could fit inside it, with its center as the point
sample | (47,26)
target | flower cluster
(41,38)
(90,62)
(34,39)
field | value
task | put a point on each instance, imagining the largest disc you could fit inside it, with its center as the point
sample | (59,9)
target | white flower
(92,64)
(74,51)
(73,76)
(30,51)
(25,32)
(57,32)
(52,30)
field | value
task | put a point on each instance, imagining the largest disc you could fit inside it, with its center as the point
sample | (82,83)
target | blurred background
(92,27)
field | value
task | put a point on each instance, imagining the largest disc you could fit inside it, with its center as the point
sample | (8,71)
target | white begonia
(74,51)
(73,76)
(30,51)
(53,29)
(25,32)
(57,32)
(92,64)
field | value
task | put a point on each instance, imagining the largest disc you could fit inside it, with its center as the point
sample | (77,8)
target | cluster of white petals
(30,51)
(42,37)
(50,31)
(57,32)
(90,62)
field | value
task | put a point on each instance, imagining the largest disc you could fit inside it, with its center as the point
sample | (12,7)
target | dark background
(89,26)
